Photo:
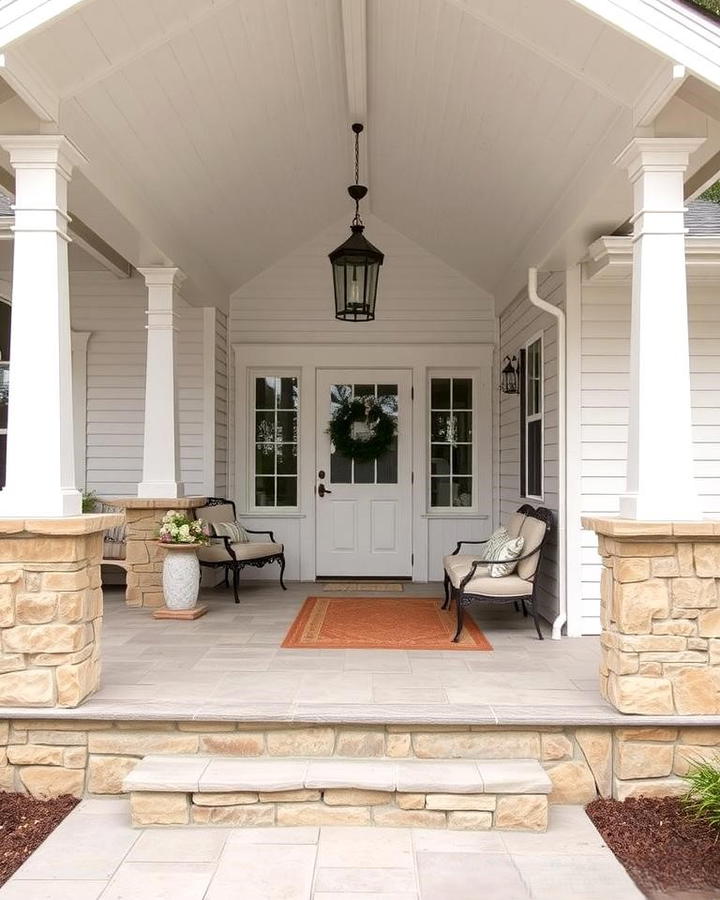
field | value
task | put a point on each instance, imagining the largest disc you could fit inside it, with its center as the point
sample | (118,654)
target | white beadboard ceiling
(224,125)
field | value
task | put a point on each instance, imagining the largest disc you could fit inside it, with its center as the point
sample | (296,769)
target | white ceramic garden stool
(181,582)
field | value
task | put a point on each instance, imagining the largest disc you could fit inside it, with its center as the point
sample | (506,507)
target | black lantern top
(509,381)
(356,263)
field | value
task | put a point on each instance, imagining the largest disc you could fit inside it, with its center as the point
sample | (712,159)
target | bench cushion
(508,586)
(216,552)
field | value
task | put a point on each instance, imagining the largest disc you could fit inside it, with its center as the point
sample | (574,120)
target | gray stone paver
(569,862)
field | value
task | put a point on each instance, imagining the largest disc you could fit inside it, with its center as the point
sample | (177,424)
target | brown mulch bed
(661,845)
(24,825)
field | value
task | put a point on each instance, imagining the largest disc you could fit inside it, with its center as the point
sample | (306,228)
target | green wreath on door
(383,428)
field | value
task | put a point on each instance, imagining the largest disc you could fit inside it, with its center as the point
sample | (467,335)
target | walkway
(95,855)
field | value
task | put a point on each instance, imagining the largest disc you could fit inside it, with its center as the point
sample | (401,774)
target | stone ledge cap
(156,502)
(67,525)
(652,531)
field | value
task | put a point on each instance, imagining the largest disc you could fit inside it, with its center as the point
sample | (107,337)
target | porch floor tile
(570,861)
(230,661)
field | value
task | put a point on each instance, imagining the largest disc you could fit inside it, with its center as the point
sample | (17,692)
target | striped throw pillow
(494,543)
(232,530)
(507,556)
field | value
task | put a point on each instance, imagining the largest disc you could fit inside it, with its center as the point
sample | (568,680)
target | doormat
(385,586)
(380,623)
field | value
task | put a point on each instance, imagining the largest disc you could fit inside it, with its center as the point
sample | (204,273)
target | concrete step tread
(448,776)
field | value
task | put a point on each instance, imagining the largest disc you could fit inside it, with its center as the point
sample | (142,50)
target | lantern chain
(356,218)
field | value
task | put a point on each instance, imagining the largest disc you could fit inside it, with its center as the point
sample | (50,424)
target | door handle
(322,490)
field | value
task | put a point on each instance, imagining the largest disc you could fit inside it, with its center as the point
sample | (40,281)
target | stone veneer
(50,609)
(660,616)
(48,757)
(143,557)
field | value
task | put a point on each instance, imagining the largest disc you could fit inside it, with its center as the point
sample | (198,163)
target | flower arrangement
(177,528)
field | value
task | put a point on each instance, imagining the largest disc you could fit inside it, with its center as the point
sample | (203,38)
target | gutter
(559,316)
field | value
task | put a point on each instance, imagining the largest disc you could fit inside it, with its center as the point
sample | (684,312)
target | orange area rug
(380,623)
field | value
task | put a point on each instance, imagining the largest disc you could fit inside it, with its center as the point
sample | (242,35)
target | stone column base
(660,615)
(50,609)
(143,557)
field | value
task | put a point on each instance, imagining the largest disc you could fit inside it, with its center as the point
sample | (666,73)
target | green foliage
(703,797)
(713,192)
(361,409)
(89,499)
(712,6)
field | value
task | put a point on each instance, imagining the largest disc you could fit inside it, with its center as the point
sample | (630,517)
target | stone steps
(509,795)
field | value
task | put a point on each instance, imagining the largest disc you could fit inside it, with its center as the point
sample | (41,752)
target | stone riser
(48,757)
(338,806)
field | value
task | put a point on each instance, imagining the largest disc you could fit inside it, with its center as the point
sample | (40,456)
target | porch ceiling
(220,129)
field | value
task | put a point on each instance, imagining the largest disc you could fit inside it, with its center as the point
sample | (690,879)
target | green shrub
(703,797)
(89,499)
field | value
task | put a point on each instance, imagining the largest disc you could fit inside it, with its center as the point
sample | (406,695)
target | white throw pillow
(507,554)
(494,543)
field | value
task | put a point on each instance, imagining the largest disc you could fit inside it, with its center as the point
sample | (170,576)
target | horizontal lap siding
(221,405)
(420,299)
(604,415)
(519,323)
(113,311)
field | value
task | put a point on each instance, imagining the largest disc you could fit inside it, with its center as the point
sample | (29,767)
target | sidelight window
(532,410)
(276,440)
(451,442)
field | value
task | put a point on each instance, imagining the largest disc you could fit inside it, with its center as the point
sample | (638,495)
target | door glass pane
(286,492)
(287,459)
(340,468)
(387,465)
(286,429)
(440,393)
(440,492)
(265,459)
(364,390)
(462,459)
(265,393)
(451,447)
(440,459)
(462,393)
(264,491)
(462,492)
(288,398)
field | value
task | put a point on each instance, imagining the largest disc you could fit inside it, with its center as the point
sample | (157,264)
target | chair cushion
(515,524)
(461,562)
(508,586)
(232,530)
(507,553)
(533,531)
(216,552)
(457,573)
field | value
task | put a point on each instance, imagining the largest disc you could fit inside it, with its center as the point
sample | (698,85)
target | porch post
(660,483)
(161,453)
(40,456)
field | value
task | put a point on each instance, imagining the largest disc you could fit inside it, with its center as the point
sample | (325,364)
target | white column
(161,450)
(40,455)
(660,484)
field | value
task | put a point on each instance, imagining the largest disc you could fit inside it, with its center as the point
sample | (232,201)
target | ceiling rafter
(158,41)
(658,93)
(512,35)
(29,86)
(354,18)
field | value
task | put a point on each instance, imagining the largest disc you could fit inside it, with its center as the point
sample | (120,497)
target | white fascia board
(19,17)
(609,260)
(677,32)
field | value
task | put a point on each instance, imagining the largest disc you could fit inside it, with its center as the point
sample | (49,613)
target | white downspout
(559,315)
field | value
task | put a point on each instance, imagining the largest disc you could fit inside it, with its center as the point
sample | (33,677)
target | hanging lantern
(356,263)
(509,381)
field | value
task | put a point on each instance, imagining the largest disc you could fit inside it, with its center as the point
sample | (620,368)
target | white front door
(364,516)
